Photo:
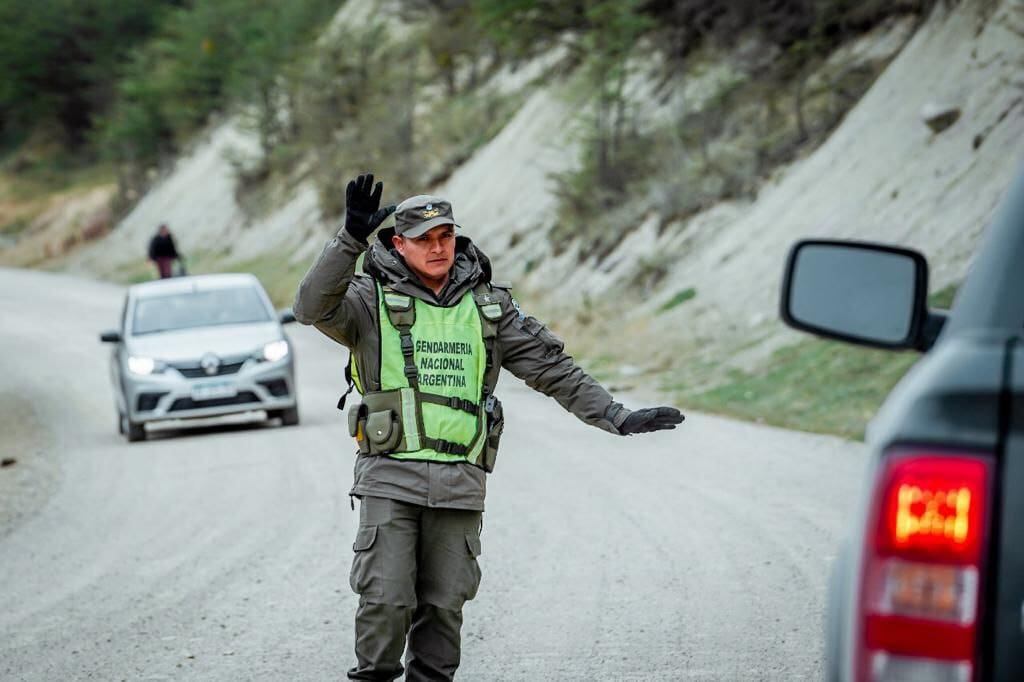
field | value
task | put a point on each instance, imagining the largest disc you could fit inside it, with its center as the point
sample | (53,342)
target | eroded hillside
(670,284)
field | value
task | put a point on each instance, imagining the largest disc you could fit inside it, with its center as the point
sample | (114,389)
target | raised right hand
(363,214)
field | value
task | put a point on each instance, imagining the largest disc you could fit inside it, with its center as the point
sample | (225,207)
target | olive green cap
(416,215)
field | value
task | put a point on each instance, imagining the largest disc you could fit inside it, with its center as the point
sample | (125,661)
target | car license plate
(213,391)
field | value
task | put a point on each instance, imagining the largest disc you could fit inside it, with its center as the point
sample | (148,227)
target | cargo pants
(414,568)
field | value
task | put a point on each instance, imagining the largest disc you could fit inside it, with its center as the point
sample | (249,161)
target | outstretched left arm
(533,353)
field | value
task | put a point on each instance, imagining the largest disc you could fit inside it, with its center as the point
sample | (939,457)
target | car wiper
(156,331)
(200,326)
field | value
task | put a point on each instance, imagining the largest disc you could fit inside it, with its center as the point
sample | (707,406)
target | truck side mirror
(863,293)
(110,337)
(286,316)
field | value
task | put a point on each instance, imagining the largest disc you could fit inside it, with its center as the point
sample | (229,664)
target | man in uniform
(428,332)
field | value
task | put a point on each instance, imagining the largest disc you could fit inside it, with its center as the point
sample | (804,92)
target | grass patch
(22,200)
(33,174)
(37,178)
(141,270)
(279,278)
(815,385)
(136,273)
(677,300)
(943,298)
(14,227)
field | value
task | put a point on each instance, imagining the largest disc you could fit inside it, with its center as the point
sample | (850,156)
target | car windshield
(213,307)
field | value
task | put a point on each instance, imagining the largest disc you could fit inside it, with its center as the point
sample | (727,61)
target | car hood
(192,344)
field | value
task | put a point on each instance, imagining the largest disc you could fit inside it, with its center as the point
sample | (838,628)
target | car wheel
(134,431)
(289,417)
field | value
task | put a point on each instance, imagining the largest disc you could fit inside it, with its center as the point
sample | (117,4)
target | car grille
(146,402)
(197,372)
(189,404)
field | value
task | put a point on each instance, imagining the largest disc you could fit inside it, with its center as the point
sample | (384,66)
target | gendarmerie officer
(429,330)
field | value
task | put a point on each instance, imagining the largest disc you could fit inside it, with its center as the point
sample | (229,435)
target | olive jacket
(343,305)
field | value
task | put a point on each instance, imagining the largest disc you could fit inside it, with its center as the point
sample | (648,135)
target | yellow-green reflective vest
(433,370)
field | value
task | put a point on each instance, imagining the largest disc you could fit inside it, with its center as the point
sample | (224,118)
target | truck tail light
(922,570)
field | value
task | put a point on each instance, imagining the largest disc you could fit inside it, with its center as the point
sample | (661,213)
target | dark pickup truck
(928,583)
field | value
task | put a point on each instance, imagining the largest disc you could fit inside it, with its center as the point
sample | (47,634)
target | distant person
(429,330)
(163,253)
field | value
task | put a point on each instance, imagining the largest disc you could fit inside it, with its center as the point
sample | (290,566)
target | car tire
(289,417)
(133,430)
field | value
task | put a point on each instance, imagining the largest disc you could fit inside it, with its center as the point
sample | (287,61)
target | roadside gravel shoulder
(28,483)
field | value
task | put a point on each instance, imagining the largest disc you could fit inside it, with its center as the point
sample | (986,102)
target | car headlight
(145,366)
(277,350)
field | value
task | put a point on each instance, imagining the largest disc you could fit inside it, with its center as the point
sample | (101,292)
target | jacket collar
(385,265)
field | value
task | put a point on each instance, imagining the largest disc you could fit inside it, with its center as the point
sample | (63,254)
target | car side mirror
(868,294)
(110,337)
(286,316)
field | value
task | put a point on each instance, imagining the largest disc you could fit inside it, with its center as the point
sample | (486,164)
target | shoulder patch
(489,305)
(492,311)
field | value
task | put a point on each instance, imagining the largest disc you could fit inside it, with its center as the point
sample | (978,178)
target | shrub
(678,299)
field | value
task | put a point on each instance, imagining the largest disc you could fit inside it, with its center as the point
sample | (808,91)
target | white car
(203,346)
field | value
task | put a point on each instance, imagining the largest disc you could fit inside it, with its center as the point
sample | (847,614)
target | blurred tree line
(61,59)
(129,80)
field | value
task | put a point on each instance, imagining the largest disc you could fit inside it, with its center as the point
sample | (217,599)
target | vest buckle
(407,345)
(462,404)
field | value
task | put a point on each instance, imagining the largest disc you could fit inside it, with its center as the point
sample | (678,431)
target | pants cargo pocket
(473,576)
(450,576)
(365,577)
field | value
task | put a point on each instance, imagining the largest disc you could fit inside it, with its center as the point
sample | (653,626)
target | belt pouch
(353,421)
(383,431)
(357,427)
(495,427)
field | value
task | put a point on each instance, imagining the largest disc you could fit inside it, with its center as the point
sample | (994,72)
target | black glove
(363,214)
(651,419)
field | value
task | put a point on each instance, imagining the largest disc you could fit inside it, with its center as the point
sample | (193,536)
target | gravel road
(222,552)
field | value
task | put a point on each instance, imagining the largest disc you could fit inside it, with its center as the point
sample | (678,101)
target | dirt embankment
(41,229)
